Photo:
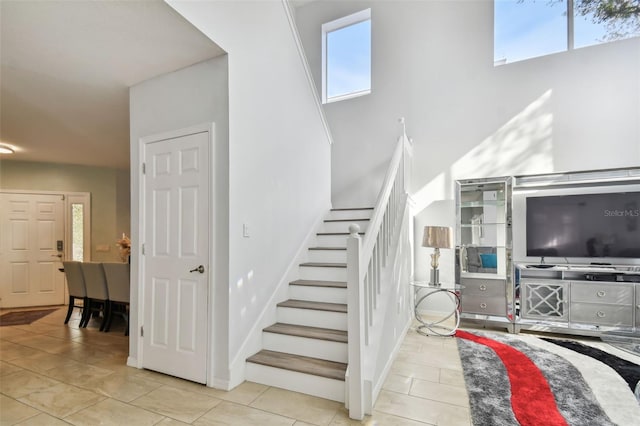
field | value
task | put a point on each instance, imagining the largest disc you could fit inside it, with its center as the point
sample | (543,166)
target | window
(346,57)
(77,232)
(526,29)
(78,226)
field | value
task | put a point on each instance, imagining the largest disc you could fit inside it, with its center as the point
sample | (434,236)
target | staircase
(306,349)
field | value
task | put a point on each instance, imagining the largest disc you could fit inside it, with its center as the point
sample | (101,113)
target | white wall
(279,154)
(432,63)
(191,96)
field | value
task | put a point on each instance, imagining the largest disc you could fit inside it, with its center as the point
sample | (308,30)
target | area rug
(23,317)
(523,380)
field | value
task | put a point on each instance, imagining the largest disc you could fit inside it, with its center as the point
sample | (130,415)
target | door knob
(198,269)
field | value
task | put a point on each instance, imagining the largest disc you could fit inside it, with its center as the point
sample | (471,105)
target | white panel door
(176,253)
(30,227)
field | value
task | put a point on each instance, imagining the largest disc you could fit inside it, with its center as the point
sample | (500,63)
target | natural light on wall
(525,29)
(523,145)
(346,57)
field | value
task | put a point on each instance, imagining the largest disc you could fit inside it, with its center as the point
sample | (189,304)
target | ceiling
(66,69)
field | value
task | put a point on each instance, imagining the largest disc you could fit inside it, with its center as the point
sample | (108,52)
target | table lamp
(437,237)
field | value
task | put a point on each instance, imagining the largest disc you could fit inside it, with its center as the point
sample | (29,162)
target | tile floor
(56,374)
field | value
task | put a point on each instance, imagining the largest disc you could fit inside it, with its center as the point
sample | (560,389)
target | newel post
(356,324)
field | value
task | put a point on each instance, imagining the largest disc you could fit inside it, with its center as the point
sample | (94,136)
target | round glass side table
(437,327)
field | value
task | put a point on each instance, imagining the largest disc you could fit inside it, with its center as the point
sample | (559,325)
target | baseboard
(253,341)
(132,362)
(220,384)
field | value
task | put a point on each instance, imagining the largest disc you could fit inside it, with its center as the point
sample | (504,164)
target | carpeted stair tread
(318,306)
(324,264)
(309,332)
(302,364)
(318,283)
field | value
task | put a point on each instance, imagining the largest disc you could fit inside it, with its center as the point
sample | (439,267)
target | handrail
(307,69)
(366,262)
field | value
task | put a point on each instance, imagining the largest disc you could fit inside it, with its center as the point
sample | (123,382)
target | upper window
(346,57)
(526,29)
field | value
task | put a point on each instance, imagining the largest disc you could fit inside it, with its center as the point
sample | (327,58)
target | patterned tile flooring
(56,374)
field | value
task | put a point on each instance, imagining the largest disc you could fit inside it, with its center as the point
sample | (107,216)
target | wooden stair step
(328,248)
(348,220)
(318,283)
(309,332)
(317,306)
(302,364)
(337,233)
(351,208)
(324,265)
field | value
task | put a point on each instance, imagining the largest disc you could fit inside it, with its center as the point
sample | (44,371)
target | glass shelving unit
(483,249)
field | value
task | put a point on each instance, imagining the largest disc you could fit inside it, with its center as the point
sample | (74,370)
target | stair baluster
(370,267)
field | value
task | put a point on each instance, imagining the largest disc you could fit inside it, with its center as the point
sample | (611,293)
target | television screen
(585,225)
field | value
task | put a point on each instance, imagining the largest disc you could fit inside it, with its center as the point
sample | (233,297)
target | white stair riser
(314,348)
(344,226)
(298,382)
(328,256)
(322,273)
(318,294)
(350,214)
(312,318)
(331,240)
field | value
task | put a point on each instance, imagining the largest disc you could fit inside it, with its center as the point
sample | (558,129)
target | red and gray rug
(524,380)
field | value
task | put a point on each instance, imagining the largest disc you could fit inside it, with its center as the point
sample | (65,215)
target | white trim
(357,94)
(142,143)
(570,25)
(34,191)
(131,361)
(345,21)
(211,380)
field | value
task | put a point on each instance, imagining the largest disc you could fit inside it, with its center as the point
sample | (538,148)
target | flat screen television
(584,225)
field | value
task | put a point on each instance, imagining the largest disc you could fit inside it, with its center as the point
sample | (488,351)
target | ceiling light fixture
(6,149)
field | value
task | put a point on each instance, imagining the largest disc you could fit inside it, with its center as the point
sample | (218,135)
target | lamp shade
(6,149)
(437,237)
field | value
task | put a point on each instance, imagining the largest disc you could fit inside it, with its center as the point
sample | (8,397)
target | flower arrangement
(124,244)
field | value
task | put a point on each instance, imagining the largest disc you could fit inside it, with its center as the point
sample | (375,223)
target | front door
(176,253)
(32,233)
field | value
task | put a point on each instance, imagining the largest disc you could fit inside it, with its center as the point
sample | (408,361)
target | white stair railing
(367,274)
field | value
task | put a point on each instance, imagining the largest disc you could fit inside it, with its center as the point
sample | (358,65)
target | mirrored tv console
(579,299)
(556,252)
